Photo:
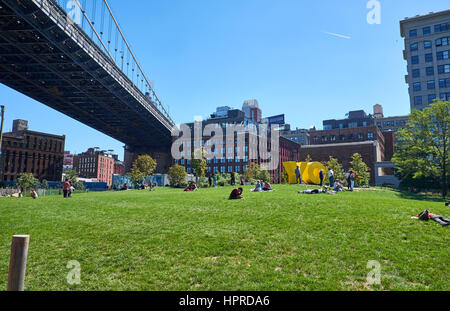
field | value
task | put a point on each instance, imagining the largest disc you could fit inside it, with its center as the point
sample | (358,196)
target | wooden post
(18,263)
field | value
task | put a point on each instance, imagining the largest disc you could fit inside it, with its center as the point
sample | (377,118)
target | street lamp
(1,138)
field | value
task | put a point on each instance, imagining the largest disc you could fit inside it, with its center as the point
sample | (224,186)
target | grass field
(171,240)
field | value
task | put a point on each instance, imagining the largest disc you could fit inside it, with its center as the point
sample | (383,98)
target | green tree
(72,176)
(423,145)
(264,175)
(44,184)
(252,172)
(177,175)
(284,177)
(27,181)
(308,159)
(337,168)
(361,170)
(79,186)
(198,163)
(143,167)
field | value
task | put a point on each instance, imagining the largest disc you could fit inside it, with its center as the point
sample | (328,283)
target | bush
(177,176)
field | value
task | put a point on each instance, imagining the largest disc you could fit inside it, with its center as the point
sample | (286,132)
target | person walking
(209,180)
(233,179)
(298,175)
(347,178)
(215,180)
(322,177)
(66,189)
(331,177)
(352,180)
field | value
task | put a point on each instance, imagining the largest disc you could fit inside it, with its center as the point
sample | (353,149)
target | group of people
(191,187)
(262,186)
(350,177)
(68,189)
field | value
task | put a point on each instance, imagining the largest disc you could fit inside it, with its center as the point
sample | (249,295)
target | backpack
(424,215)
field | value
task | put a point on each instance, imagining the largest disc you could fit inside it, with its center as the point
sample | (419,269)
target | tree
(72,176)
(334,164)
(308,159)
(27,181)
(44,184)
(143,167)
(264,175)
(252,172)
(198,163)
(361,170)
(423,145)
(177,175)
(284,177)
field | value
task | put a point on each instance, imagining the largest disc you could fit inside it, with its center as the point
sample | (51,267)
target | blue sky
(202,54)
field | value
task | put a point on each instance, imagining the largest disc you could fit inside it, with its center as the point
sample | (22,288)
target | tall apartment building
(25,151)
(427,51)
(94,164)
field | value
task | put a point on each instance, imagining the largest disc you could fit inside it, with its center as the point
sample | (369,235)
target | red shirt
(66,186)
(431,215)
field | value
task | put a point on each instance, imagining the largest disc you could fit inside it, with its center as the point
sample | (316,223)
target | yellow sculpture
(310,172)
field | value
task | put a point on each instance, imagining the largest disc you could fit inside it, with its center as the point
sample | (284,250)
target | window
(429,58)
(370,135)
(444,83)
(442,55)
(360,136)
(437,28)
(444,69)
(431,98)
(353,125)
(238,169)
(418,100)
(413,33)
(416,73)
(414,47)
(445,96)
(442,41)
(430,71)
(426,30)
(417,87)
(414,60)
(427,45)
(327,127)
(431,85)
(230,169)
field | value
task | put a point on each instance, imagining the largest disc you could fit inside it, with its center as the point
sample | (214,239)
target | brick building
(370,151)
(94,165)
(25,151)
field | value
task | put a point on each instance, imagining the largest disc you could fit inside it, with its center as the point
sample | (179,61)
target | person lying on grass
(426,216)
(236,194)
(318,191)
(191,187)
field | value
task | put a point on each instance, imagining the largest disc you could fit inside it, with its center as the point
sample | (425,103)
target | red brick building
(25,151)
(94,164)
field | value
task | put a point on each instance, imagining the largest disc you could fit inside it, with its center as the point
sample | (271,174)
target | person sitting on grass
(338,186)
(34,194)
(426,216)
(191,187)
(236,194)
(258,187)
(267,186)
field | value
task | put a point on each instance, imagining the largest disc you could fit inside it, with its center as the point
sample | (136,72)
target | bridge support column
(163,159)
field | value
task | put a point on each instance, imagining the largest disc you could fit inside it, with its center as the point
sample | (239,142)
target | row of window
(427,30)
(429,71)
(418,100)
(392,123)
(222,169)
(428,44)
(332,138)
(431,85)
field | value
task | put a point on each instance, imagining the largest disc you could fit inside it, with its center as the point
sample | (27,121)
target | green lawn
(171,240)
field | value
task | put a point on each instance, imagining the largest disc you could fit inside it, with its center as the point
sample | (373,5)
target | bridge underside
(39,59)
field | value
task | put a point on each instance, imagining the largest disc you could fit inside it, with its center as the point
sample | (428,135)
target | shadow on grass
(421,196)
